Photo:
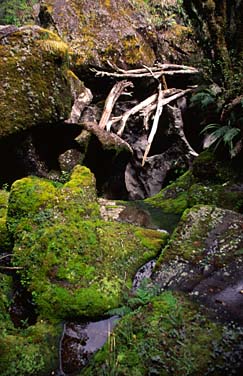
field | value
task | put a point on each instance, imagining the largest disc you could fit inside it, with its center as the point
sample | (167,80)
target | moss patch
(168,336)
(73,262)
(5,242)
(30,351)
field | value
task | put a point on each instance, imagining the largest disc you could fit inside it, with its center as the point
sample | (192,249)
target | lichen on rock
(98,31)
(36,86)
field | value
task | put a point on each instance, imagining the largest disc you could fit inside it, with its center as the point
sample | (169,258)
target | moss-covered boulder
(98,31)
(169,336)
(210,181)
(29,351)
(74,263)
(204,258)
(35,82)
(5,242)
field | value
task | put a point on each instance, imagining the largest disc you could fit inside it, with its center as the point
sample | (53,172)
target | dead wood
(116,91)
(150,104)
(157,70)
(158,112)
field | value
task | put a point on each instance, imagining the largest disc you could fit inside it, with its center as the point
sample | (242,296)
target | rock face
(204,258)
(100,30)
(74,263)
(36,86)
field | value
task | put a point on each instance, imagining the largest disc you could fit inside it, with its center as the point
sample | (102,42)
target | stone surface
(36,86)
(98,31)
(204,258)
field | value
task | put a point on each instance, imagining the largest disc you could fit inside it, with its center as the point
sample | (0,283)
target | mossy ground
(168,336)
(24,352)
(74,263)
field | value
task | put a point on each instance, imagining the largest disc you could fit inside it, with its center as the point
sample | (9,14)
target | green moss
(33,351)
(215,195)
(173,198)
(73,262)
(5,241)
(30,351)
(209,182)
(199,229)
(169,336)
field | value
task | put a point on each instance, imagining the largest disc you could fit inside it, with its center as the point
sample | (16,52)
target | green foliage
(203,99)
(167,336)
(219,133)
(16,12)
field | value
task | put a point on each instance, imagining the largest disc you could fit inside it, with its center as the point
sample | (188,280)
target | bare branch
(150,104)
(155,71)
(158,113)
(114,94)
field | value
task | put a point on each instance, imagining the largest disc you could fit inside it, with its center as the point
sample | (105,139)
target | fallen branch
(116,91)
(155,71)
(11,267)
(157,115)
(150,104)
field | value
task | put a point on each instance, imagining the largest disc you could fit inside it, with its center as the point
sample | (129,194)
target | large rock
(98,31)
(36,85)
(74,263)
(204,259)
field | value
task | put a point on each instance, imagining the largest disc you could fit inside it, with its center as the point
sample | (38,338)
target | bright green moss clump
(73,262)
(168,336)
(5,242)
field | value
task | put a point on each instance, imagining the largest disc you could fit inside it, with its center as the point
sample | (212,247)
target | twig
(114,94)
(5,256)
(11,267)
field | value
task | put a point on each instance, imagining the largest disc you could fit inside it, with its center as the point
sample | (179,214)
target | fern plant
(218,133)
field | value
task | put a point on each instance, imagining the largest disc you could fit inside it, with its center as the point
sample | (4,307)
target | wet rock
(204,258)
(81,340)
(69,159)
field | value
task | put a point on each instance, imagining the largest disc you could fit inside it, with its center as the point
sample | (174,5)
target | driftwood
(151,106)
(116,91)
(158,112)
(158,71)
